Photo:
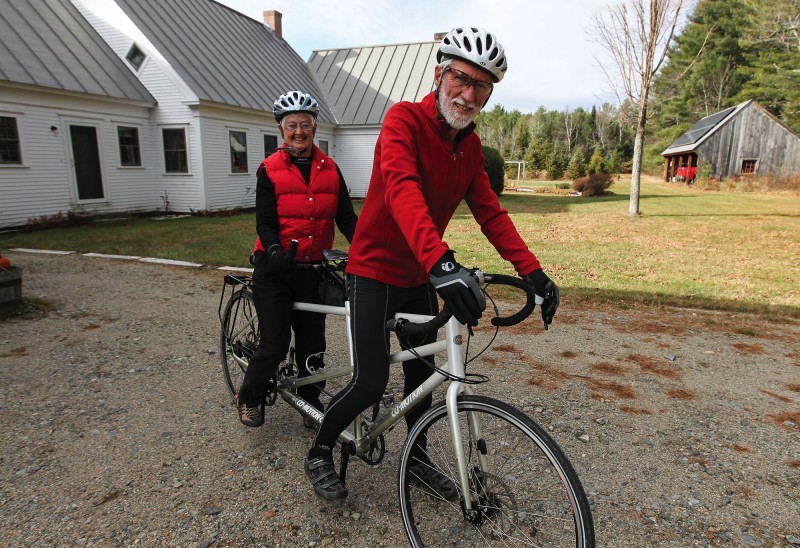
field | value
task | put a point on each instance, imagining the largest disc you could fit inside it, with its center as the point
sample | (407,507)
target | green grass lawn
(727,251)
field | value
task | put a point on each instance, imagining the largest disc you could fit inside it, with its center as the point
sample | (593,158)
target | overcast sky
(550,54)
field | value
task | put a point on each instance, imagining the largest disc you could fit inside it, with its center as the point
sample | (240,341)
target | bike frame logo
(399,408)
(306,407)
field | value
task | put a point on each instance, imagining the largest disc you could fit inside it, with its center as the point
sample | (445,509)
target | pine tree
(577,165)
(557,162)
(596,163)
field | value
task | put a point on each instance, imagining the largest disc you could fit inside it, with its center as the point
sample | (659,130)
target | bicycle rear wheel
(526,493)
(238,338)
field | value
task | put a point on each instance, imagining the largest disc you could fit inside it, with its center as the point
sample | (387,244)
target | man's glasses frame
(463,80)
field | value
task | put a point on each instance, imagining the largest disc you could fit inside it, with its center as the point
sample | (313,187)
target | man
(427,159)
(300,194)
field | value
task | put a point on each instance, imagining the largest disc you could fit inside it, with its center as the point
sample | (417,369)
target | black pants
(273,296)
(372,303)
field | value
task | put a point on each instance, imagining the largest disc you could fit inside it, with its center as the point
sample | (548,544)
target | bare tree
(637,34)
(569,127)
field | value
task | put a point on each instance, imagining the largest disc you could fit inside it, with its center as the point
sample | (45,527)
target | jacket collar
(315,152)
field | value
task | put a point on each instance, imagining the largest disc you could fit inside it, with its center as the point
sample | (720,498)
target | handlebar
(404,327)
(292,250)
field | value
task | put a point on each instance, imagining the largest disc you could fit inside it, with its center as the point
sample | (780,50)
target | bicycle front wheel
(524,491)
(238,339)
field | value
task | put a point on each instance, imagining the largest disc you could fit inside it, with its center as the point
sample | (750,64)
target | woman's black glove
(547,295)
(458,289)
(279,262)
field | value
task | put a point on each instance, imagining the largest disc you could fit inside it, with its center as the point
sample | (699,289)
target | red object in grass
(686,173)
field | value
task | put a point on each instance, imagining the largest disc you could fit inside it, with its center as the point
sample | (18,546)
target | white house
(65,100)
(124,106)
(153,106)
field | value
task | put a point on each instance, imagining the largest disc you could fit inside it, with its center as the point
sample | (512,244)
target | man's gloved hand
(459,290)
(279,263)
(547,295)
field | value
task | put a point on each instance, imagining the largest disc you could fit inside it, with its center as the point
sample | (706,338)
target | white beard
(452,115)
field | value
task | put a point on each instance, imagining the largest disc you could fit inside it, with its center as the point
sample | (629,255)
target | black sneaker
(428,476)
(252,416)
(324,478)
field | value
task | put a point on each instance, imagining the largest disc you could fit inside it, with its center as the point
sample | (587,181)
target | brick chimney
(272,18)
(439,36)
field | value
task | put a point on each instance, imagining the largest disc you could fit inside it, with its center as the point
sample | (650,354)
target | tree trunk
(638,152)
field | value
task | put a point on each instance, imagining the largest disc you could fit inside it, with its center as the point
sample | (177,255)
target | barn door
(86,162)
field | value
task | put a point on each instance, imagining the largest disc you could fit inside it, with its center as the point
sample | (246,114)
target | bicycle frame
(476,465)
(366,432)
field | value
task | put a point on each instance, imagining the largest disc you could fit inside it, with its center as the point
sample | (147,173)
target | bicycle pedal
(271,392)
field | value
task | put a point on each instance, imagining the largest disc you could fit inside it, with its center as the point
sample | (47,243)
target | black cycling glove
(458,289)
(547,295)
(279,263)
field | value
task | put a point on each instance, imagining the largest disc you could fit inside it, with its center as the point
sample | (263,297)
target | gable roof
(223,55)
(48,43)
(702,130)
(361,83)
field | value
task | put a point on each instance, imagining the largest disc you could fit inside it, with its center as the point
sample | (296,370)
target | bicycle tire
(530,495)
(238,338)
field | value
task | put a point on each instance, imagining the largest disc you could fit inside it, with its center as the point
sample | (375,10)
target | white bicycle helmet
(293,102)
(477,46)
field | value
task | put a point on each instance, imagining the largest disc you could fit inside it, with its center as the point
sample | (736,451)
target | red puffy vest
(306,212)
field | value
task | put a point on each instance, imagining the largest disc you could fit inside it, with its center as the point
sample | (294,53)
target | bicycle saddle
(334,255)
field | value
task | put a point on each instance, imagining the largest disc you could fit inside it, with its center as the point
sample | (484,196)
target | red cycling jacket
(419,177)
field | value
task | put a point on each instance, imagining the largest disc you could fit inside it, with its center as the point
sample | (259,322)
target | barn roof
(361,83)
(702,130)
(50,44)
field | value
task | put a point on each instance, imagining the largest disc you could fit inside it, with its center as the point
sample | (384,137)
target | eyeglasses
(464,80)
(292,127)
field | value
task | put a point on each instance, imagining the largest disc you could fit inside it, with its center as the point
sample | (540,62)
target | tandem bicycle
(516,487)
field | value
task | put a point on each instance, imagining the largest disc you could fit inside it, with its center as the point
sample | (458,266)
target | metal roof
(361,83)
(223,55)
(695,135)
(49,43)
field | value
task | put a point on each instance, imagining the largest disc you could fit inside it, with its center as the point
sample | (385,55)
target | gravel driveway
(115,428)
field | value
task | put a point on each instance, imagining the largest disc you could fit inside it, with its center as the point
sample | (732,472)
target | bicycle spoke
(525,497)
(239,338)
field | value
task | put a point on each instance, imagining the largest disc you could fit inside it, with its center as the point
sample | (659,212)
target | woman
(300,194)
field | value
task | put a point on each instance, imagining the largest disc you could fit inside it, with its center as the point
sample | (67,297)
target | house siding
(177,108)
(224,189)
(353,153)
(44,184)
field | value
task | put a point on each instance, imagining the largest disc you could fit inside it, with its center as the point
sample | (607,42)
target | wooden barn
(739,141)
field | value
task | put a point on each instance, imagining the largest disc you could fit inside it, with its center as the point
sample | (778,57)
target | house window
(129,155)
(9,141)
(748,167)
(175,157)
(238,143)
(323,146)
(135,57)
(270,144)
